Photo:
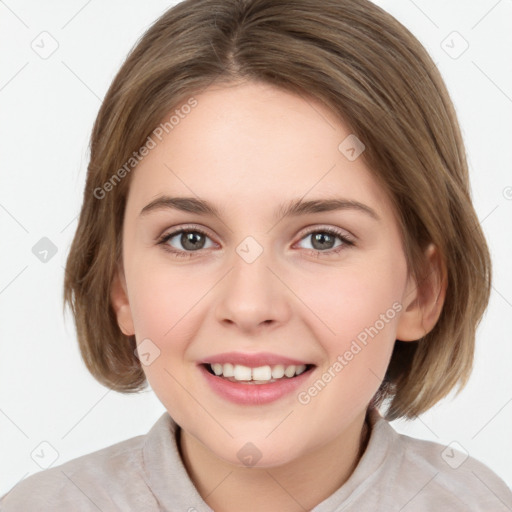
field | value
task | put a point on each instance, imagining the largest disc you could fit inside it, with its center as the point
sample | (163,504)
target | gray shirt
(145,473)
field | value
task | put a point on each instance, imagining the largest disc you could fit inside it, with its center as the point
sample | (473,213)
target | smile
(258,385)
(259,375)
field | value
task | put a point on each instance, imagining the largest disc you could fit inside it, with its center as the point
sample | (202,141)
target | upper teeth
(262,373)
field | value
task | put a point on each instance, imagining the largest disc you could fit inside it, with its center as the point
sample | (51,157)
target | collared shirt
(146,473)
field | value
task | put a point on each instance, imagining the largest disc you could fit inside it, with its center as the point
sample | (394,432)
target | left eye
(323,239)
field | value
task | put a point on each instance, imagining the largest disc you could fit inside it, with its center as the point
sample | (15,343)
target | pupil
(189,240)
(321,237)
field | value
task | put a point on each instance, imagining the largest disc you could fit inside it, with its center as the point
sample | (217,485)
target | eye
(323,240)
(191,240)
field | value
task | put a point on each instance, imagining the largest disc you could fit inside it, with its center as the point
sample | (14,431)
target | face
(326,288)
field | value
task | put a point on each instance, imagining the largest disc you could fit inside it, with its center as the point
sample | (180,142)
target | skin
(242,143)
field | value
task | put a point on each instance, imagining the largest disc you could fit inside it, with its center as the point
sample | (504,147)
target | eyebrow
(293,208)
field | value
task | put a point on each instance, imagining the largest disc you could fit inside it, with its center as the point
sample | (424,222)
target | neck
(298,485)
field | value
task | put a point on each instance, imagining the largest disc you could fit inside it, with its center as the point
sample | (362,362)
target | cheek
(360,305)
(361,309)
(162,303)
(161,298)
(351,299)
(164,313)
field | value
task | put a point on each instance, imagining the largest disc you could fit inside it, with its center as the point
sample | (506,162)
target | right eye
(191,240)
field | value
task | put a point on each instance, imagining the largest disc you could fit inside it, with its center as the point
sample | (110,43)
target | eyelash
(347,242)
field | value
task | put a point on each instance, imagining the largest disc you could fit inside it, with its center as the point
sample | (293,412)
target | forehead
(250,142)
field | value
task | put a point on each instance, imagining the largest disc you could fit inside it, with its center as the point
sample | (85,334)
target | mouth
(266,374)
(255,379)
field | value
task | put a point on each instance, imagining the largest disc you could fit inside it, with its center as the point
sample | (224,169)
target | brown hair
(368,69)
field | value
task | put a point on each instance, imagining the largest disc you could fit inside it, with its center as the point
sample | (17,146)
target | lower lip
(253,394)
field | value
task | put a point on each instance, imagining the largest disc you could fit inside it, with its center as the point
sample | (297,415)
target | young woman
(277,235)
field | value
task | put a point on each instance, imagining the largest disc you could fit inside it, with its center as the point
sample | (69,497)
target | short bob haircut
(370,71)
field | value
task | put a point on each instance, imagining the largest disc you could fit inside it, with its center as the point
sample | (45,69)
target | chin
(256,454)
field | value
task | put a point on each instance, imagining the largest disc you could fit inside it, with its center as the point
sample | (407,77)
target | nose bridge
(251,293)
(251,276)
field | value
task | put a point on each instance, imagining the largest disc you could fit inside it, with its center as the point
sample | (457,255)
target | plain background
(48,105)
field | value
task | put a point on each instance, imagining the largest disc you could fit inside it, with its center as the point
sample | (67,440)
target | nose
(253,295)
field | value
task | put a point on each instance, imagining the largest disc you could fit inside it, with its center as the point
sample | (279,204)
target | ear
(423,301)
(120,303)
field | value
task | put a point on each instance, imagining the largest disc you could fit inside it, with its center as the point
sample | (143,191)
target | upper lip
(252,360)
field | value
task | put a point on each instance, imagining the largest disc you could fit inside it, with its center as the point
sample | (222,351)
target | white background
(48,107)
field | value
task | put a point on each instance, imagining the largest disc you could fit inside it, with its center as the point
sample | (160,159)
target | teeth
(278,371)
(228,370)
(300,369)
(262,373)
(289,371)
(217,368)
(242,372)
(266,373)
